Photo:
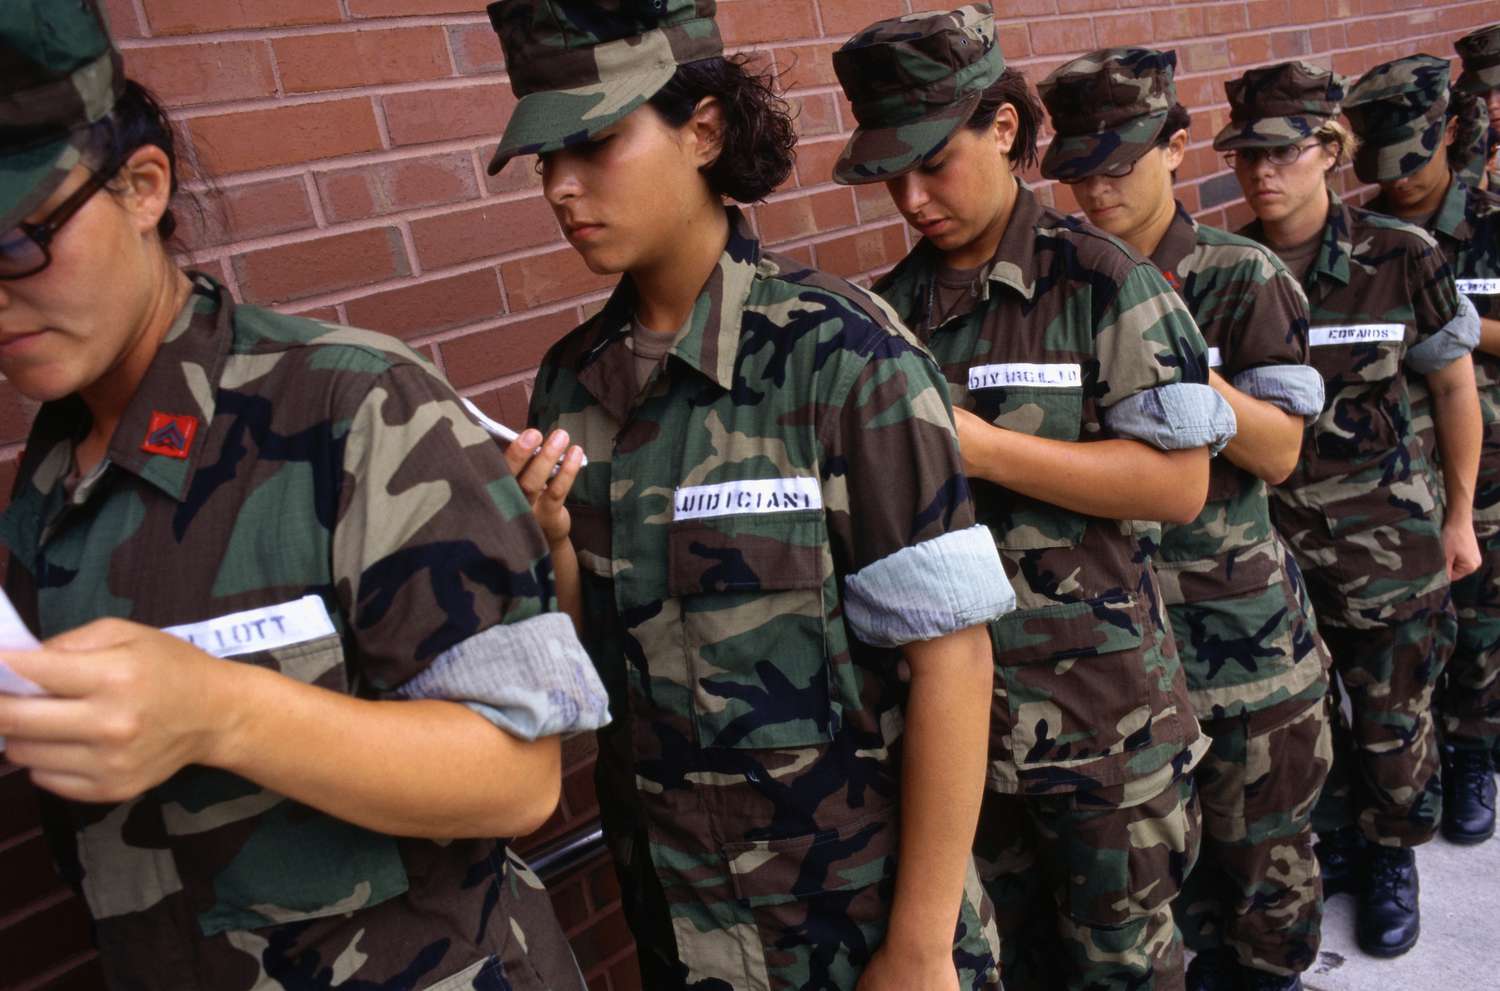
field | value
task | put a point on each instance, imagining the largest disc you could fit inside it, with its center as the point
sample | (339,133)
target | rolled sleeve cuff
(1174,417)
(1294,389)
(531,678)
(929,590)
(1453,340)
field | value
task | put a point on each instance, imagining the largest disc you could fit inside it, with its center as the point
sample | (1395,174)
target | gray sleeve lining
(531,678)
(929,590)
(1452,341)
(1295,389)
(1174,417)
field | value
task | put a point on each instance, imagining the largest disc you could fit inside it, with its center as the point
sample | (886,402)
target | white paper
(14,636)
(499,430)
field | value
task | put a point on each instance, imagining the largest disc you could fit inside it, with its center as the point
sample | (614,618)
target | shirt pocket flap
(1106,625)
(859,854)
(760,553)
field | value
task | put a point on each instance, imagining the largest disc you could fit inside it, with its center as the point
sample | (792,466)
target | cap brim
(550,120)
(1078,156)
(1387,159)
(1479,80)
(876,154)
(1267,132)
(28,177)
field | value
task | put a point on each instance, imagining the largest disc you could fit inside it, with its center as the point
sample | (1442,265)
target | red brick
(445,114)
(1015,40)
(483,232)
(1201,56)
(1120,30)
(1065,34)
(508,404)
(1082,6)
(244,212)
(416,310)
(816,113)
(1178,22)
(183,75)
(515,347)
(258,139)
(807,65)
(326,264)
(603,939)
(386,187)
(520,173)
(543,279)
(805,215)
(410,8)
(122,19)
(749,22)
(570,903)
(1250,49)
(1291,44)
(815,161)
(1360,33)
(475,49)
(1016,8)
(16,414)
(1225,19)
(848,16)
(802,255)
(196,16)
(862,252)
(316,62)
(625,975)
(328,314)
(1268,13)
(604,887)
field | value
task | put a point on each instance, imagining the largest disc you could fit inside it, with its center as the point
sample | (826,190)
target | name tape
(1025,374)
(266,628)
(762,495)
(1479,287)
(1215,359)
(1359,333)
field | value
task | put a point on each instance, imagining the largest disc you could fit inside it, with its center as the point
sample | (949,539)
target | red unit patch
(170,436)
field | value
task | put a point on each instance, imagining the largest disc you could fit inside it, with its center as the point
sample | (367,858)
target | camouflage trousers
(1082,885)
(1380,592)
(1468,700)
(1256,889)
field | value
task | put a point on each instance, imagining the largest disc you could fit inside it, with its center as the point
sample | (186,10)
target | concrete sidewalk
(1460,945)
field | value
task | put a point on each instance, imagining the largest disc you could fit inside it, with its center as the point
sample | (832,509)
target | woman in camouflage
(781,580)
(1080,385)
(314,810)
(1358,510)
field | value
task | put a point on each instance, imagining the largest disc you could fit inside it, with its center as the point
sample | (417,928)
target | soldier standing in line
(1074,367)
(782,581)
(1359,510)
(1479,53)
(1256,669)
(312,809)
(1406,125)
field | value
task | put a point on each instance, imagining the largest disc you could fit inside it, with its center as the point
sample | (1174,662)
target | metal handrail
(568,853)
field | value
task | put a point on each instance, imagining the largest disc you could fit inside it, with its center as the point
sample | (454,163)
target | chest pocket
(752,593)
(1358,425)
(1048,403)
(249,857)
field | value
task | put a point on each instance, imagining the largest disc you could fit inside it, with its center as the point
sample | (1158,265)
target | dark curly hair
(1012,87)
(759,136)
(1178,119)
(136,121)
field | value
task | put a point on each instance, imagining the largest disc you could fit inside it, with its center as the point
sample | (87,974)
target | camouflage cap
(1279,105)
(62,74)
(1479,51)
(1108,108)
(1398,109)
(580,67)
(913,81)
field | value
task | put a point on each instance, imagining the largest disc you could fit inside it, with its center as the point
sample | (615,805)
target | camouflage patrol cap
(1479,51)
(1108,108)
(1398,109)
(913,81)
(1279,105)
(61,75)
(580,67)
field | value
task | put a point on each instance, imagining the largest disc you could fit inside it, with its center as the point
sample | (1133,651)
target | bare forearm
(569,584)
(1115,479)
(1460,429)
(1267,439)
(942,782)
(405,768)
(1489,336)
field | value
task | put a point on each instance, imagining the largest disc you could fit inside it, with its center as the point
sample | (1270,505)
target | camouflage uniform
(1479,53)
(1467,229)
(368,540)
(1254,663)
(1359,508)
(1070,337)
(750,565)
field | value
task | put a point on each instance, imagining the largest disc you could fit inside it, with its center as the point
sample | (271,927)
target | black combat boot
(1468,796)
(1340,856)
(1211,970)
(1389,921)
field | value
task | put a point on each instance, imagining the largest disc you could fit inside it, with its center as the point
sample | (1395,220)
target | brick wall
(348,140)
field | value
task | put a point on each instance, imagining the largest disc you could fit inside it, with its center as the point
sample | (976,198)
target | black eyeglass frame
(42,234)
(1073,181)
(1254,155)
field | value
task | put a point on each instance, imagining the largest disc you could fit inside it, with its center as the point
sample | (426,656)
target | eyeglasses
(1116,171)
(1280,156)
(26,249)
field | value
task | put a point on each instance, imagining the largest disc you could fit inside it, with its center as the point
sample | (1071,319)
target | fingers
(537,470)
(567,473)
(99,634)
(45,719)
